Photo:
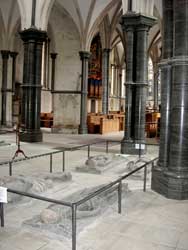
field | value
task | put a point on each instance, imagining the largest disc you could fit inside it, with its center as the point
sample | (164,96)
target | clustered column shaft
(13,55)
(5,57)
(53,57)
(105,80)
(135,28)
(84,56)
(31,99)
(170,176)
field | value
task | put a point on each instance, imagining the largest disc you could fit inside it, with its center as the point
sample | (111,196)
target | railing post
(2,214)
(88,152)
(119,196)
(74,208)
(63,161)
(152,164)
(145,176)
(107,147)
(10,168)
(139,152)
(50,163)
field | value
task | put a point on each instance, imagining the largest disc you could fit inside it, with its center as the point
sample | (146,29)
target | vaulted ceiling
(90,16)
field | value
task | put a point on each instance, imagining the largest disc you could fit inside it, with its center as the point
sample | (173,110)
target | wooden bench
(46,120)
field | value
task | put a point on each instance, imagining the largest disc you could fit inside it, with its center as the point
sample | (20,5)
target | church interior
(93,124)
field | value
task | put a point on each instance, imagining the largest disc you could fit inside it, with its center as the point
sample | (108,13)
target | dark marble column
(141,80)
(5,57)
(84,57)
(105,80)
(13,55)
(155,83)
(31,100)
(127,140)
(177,173)
(136,27)
(166,77)
(53,57)
(170,177)
(120,88)
(48,63)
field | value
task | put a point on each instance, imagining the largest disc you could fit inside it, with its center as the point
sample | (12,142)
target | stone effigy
(100,163)
(118,164)
(132,165)
(57,218)
(32,184)
(3,143)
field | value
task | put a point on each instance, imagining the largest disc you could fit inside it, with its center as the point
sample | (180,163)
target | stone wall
(66,107)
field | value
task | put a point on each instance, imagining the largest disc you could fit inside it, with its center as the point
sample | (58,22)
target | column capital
(13,54)
(84,55)
(33,34)
(133,20)
(5,54)
(53,55)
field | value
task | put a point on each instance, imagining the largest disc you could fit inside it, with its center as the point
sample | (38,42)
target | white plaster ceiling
(86,14)
(9,19)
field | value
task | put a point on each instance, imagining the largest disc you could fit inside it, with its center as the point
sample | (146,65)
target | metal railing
(66,149)
(74,205)
(63,150)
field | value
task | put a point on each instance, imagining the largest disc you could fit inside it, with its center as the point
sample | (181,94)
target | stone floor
(148,221)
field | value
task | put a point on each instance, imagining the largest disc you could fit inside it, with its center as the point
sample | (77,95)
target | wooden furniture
(152,124)
(109,125)
(98,123)
(46,120)
(121,116)
(93,121)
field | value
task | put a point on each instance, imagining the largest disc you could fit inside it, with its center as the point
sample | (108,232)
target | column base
(133,147)
(82,130)
(169,184)
(31,136)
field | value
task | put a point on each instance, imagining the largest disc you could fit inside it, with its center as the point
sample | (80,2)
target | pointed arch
(97,23)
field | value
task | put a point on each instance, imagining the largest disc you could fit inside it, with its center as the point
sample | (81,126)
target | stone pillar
(128,85)
(135,28)
(170,177)
(155,82)
(105,80)
(53,57)
(177,174)
(120,88)
(13,55)
(31,100)
(5,57)
(141,80)
(116,81)
(84,57)
(166,77)
(112,80)
(48,63)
